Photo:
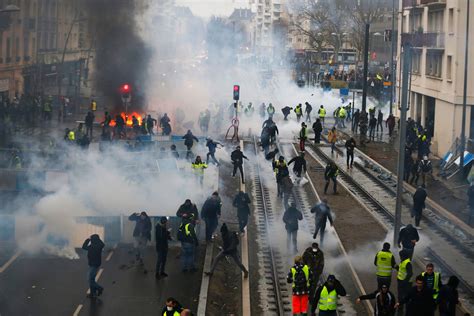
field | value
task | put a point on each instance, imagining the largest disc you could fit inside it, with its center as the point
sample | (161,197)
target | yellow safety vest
(199,167)
(435,284)
(322,112)
(298,110)
(327,301)
(175,313)
(304,132)
(278,164)
(71,135)
(270,109)
(306,274)
(94,106)
(342,113)
(384,263)
(402,270)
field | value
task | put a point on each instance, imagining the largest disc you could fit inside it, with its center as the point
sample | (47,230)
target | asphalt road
(48,285)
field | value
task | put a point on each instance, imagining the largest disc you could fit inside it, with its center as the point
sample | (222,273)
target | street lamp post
(392,54)
(464,97)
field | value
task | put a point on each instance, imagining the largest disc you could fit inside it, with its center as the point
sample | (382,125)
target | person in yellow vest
(405,273)
(385,262)
(300,278)
(172,307)
(432,280)
(326,297)
(322,113)
(342,116)
(303,136)
(299,112)
(198,168)
(93,105)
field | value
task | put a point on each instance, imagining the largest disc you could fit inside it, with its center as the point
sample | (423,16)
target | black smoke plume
(121,54)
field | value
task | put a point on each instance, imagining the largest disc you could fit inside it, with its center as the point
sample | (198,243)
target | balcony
(410,3)
(429,40)
(433,2)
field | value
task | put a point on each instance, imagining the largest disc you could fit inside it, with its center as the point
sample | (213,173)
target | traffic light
(236,92)
(125,91)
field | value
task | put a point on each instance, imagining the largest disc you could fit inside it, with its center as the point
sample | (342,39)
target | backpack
(300,278)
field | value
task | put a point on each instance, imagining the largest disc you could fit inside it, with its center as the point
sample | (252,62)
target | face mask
(315,250)
(169,308)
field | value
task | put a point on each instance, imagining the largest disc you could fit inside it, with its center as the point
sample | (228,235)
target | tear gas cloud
(179,64)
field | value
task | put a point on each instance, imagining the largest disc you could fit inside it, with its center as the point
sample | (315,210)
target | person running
(94,246)
(308,109)
(299,164)
(237,157)
(419,198)
(189,139)
(212,146)
(322,215)
(210,213)
(230,242)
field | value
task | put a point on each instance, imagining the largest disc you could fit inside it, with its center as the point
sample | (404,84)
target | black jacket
(331,171)
(142,227)
(406,235)
(291,218)
(317,127)
(384,303)
(241,202)
(448,299)
(94,248)
(186,210)
(323,213)
(211,208)
(419,303)
(230,241)
(162,235)
(237,157)
(300,284)
(189,139)
(89,120)
(419,198)
(314,260)
(350,145)
(300,163)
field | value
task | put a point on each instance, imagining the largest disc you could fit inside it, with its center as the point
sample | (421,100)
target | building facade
(436,29)
(45,48)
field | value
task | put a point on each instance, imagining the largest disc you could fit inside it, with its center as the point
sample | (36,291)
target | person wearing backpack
(291,217)
(230,241)
(300,278)
(189,242)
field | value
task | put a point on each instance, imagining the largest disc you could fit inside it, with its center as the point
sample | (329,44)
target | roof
(241,15)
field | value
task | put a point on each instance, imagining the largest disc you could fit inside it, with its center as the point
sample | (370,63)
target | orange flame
(128,119)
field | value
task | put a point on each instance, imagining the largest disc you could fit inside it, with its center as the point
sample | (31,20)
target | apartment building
(436,30)
(267,26)
(33,42)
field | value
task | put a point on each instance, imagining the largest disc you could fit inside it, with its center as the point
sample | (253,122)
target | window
(435,21)
(416,61)
(449,65)
(1,44)
(26,46)
(434,63)
(451,21)
(9,48)
(417,22)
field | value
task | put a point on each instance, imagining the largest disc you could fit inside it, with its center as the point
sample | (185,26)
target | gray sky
(207,8)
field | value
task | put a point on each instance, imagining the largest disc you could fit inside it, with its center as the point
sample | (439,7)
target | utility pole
(366,67)
(402,141)
(464,97)
(392,64)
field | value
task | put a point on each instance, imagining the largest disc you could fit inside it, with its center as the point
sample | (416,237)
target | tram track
(385,216)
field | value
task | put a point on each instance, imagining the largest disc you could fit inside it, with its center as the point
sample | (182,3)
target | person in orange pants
(300,277)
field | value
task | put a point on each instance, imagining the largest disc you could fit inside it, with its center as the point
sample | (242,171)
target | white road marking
(78,310)
(9,262)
